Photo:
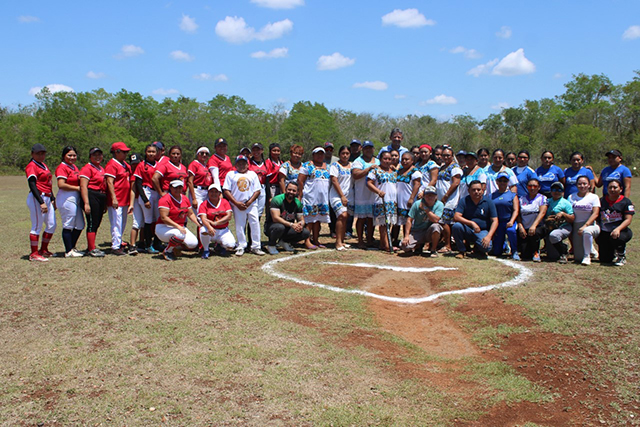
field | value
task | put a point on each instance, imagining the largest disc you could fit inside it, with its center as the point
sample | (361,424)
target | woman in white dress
(363,197)
(313,191)
(383,183)
(341,194)
(409,182)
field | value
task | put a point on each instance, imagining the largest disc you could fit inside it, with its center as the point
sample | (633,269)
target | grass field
(140,341)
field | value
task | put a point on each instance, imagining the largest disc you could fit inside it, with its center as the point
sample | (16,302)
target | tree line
(592,116)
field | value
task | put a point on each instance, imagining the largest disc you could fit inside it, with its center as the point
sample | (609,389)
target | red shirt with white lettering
(214,213)
(170,172)
(178,209)
(272,170)
(121,174)
(201,175)
(95,175)
(70,173)
(43,176)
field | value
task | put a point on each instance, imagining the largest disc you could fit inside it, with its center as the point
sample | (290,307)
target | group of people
(473,202)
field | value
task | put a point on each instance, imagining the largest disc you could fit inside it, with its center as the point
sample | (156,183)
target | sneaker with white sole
(287,246)
(37,257)
(74,253)
(96,253)
(586,260)
(239,251)
(272,250)
(620,260)
(258,252)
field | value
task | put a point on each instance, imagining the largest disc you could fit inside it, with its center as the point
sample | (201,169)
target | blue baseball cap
(241,157)
(502,175)
(367,144)
(355,141)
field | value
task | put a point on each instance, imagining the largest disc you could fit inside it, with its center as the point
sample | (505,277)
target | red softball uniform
(43,176)
(95,175)
(70,173)
(145,172)
(272,170)
(260,170)
(223,165)
(214,213)
(178,209)
(201,175)
(121,174)
(171,172)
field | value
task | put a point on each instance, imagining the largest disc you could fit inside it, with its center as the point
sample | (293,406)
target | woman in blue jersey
(548,173)
(576,170)
(523,172)
(473,172)
(498,167)
(508,208)
(615,170)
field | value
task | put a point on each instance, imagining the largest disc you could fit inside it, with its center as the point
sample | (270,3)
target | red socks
(91,240)
(33,240)
(46,238)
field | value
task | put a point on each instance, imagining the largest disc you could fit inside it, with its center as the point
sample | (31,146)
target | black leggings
(608,246)
(97,202)
(531,244)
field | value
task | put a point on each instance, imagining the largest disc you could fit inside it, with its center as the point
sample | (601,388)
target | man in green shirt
(423,224)
(286,224)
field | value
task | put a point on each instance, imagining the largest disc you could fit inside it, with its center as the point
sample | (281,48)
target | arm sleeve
(34,189)
(140,190)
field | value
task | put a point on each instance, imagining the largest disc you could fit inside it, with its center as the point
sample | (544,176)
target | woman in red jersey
(199,178)
(171,228)
(94,197)
(147,196)
(170,171)
(41,203)
(69,201)
(219,163)
(118,176)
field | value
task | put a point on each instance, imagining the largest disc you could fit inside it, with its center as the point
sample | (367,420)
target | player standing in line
(199,178)
(215,213)
(94,197)
(148,197)
(118,175)
(41,203)
(242,189)
(69,201)
(138,217)
(219,163)
(171,228)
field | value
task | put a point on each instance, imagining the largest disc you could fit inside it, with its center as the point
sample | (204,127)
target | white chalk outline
(523,275)
(389,267)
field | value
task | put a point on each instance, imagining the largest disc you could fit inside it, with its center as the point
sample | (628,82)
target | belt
(46,194)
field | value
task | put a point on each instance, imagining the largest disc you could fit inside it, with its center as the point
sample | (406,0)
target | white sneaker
(287,246)
(239,251)
(586,260)
(258,252)
(272,250)
(73,253)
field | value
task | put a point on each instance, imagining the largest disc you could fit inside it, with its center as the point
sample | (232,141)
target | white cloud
(468,53)
(188,24)
(514,64)
(441,100)
(129,51)
(504,33)
(408,18)
(500,106)
(207,76)
(482,68)
(179,55)
(94,75)
(26,19)
(236,30)
(281,52)
(400,96)
(633,32)
(334,61)
(376,85)
(278,4)
(53,88)
(558,75)
(165,92)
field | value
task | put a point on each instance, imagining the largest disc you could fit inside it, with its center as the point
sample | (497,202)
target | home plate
(523,275)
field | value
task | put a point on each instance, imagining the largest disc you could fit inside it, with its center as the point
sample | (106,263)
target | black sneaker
(117,252)
(169,256)
(133,251)
(620,260)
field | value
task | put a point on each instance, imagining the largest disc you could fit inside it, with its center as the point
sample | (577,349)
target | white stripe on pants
(150,214)
(165,233)
(222,236)
(241,218)
(118,220)
(38,219)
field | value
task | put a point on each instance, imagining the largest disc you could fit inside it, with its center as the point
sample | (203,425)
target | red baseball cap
(119,146)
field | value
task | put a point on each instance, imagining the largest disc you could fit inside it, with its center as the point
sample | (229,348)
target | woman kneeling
(171,227)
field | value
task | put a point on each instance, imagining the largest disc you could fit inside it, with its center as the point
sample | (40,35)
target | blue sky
(390,57)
